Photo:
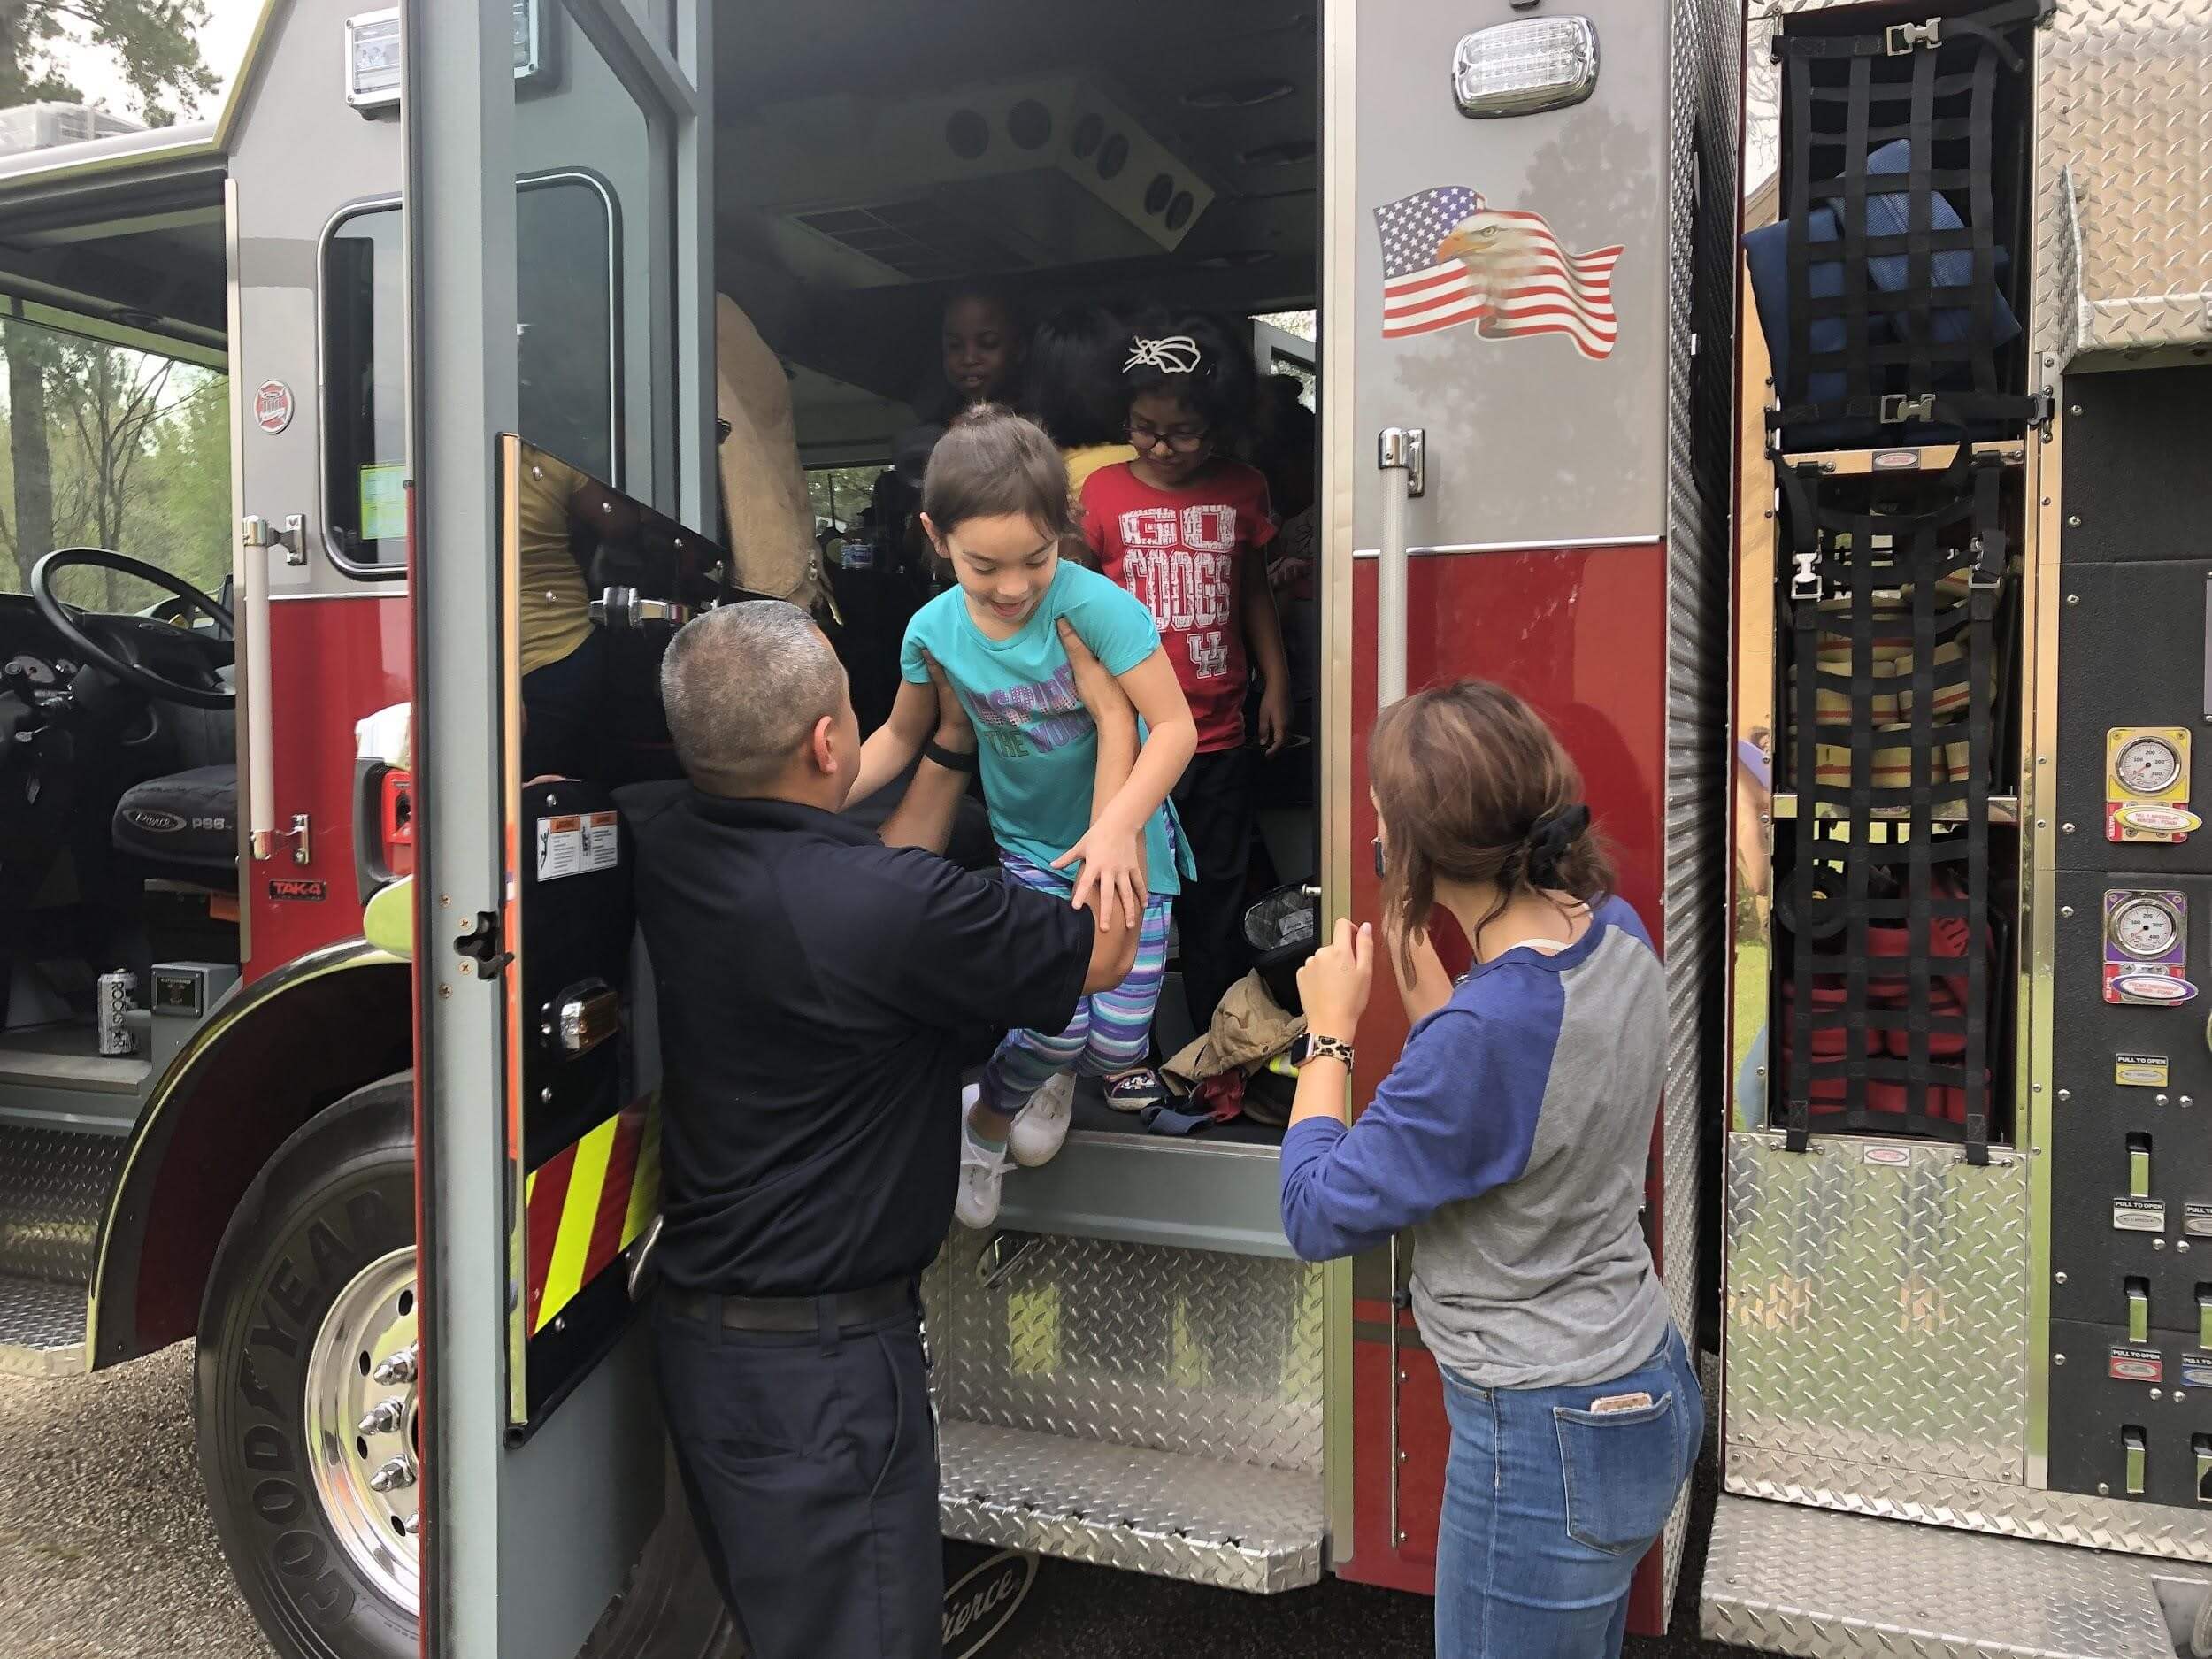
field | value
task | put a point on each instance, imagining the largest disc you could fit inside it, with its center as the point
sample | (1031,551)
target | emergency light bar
(373,54)
(1525,68)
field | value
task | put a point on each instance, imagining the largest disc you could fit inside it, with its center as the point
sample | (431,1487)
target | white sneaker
(982,1174)
(1041,1128)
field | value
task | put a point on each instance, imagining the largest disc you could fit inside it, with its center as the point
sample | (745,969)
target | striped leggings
(1112,1029)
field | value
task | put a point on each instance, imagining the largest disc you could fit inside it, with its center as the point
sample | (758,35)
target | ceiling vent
(977,180)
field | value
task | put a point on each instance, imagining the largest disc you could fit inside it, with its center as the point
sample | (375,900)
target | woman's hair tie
(1551,838)
(1176,354)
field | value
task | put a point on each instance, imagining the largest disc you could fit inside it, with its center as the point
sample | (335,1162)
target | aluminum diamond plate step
(42,1328)
(1786,1579)
(54,1188)
(1233,1525)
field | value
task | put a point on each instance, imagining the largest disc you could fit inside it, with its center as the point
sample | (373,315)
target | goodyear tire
(304,1384)
(326,1230)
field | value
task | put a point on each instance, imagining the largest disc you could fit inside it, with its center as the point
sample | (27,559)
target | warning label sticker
(577,844)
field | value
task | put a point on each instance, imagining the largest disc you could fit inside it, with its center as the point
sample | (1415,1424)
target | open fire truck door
(1968,1351)
(542,1454)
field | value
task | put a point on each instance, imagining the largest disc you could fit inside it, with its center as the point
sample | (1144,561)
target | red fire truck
(326,1042)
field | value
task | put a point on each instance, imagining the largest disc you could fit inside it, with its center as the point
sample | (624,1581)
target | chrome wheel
(361,1423)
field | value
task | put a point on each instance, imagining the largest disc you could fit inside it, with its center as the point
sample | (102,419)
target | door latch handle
(477,944)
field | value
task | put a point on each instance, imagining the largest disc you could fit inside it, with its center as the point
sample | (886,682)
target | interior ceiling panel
(1228,88)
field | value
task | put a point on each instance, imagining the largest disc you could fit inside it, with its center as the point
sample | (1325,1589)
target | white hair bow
(1178,354)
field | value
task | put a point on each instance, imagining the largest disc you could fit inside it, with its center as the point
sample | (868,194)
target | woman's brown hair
(992,462)
(1473,788)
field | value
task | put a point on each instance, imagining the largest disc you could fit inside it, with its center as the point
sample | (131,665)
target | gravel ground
(106,1553)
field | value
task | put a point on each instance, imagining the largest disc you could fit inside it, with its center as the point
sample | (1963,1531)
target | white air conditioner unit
(981,179)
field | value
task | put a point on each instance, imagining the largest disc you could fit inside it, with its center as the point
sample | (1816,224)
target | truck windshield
(106,439)
(566,275)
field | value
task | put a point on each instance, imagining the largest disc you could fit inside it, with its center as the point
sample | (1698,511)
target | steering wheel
(125,646)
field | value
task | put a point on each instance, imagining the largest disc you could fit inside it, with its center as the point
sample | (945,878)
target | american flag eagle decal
(1449,258)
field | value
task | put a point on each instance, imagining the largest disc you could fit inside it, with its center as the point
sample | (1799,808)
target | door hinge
(477,944)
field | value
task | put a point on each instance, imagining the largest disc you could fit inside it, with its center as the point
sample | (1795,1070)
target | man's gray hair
(743,686)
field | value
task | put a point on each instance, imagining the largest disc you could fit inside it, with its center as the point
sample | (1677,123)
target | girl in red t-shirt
(1181,527)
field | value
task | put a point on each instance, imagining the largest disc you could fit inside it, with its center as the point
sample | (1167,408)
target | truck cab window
(567,357)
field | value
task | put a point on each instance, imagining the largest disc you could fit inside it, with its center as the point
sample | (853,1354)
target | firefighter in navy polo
(819,985)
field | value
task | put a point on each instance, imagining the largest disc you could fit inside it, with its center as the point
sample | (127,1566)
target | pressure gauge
(2146,928)
(2145,767)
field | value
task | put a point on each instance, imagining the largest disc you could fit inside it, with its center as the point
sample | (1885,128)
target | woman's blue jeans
(1549,1505)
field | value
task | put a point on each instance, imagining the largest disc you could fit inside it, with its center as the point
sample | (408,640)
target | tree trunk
(28,449)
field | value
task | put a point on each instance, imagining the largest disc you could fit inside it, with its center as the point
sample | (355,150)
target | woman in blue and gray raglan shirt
(1511,1141)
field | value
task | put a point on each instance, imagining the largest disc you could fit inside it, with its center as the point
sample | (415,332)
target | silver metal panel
(54,1186)
(1170,1513)
(1150,1189)
(1186,1351)
(1795,1581)
(1701,145)
(1941,1500)
(2123,170)
(42,1326)
(1582,441)
(1878,1311)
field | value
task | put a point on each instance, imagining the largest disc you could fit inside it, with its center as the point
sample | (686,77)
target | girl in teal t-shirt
(995,503)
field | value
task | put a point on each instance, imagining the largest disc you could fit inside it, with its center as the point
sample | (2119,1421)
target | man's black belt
(795,1314)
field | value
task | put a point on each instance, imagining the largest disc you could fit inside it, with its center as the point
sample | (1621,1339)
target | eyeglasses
(1180,442)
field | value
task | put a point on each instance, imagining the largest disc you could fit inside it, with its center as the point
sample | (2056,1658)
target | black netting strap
(1896,40)
(1874,903)
(1876,343)
(1805,589)
(1956,411)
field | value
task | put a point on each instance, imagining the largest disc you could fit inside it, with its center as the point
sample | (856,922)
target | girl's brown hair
(992,462)
(1474,789)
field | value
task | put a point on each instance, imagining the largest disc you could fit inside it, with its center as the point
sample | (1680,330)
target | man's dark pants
(810,1461)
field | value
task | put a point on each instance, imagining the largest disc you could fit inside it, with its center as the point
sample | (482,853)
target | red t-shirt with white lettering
(1182,552)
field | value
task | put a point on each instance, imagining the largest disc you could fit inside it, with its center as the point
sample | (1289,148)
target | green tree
(154,42)
(133,454)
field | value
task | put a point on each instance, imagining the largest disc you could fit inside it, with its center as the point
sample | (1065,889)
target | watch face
(2147,766)
(2146,929)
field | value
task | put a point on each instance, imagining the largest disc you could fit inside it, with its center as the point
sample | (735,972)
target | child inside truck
(1181,527)
(994,501)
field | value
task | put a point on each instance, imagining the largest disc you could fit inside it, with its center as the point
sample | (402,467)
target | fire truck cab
(328,1042)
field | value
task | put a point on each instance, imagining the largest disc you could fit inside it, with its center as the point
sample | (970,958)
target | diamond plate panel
(1877,1309)
(1232,1526)
(54,1190)
(1191,1351)
(1700,258)
(1940,1500)
(2123,177)
(1796,1581)
(42,1328)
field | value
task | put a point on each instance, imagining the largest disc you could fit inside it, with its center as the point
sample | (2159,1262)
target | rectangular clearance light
(1525,67)
(373,54)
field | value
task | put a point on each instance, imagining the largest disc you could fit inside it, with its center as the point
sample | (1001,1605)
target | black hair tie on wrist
(1551,840)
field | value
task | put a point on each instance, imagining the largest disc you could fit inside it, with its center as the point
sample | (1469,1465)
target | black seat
(187,819)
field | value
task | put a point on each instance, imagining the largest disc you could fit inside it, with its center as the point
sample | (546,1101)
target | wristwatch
(1309,1046)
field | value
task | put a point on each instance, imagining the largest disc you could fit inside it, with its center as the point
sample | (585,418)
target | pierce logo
(152,821)
(979,1606)
(272,406)
(298,888)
